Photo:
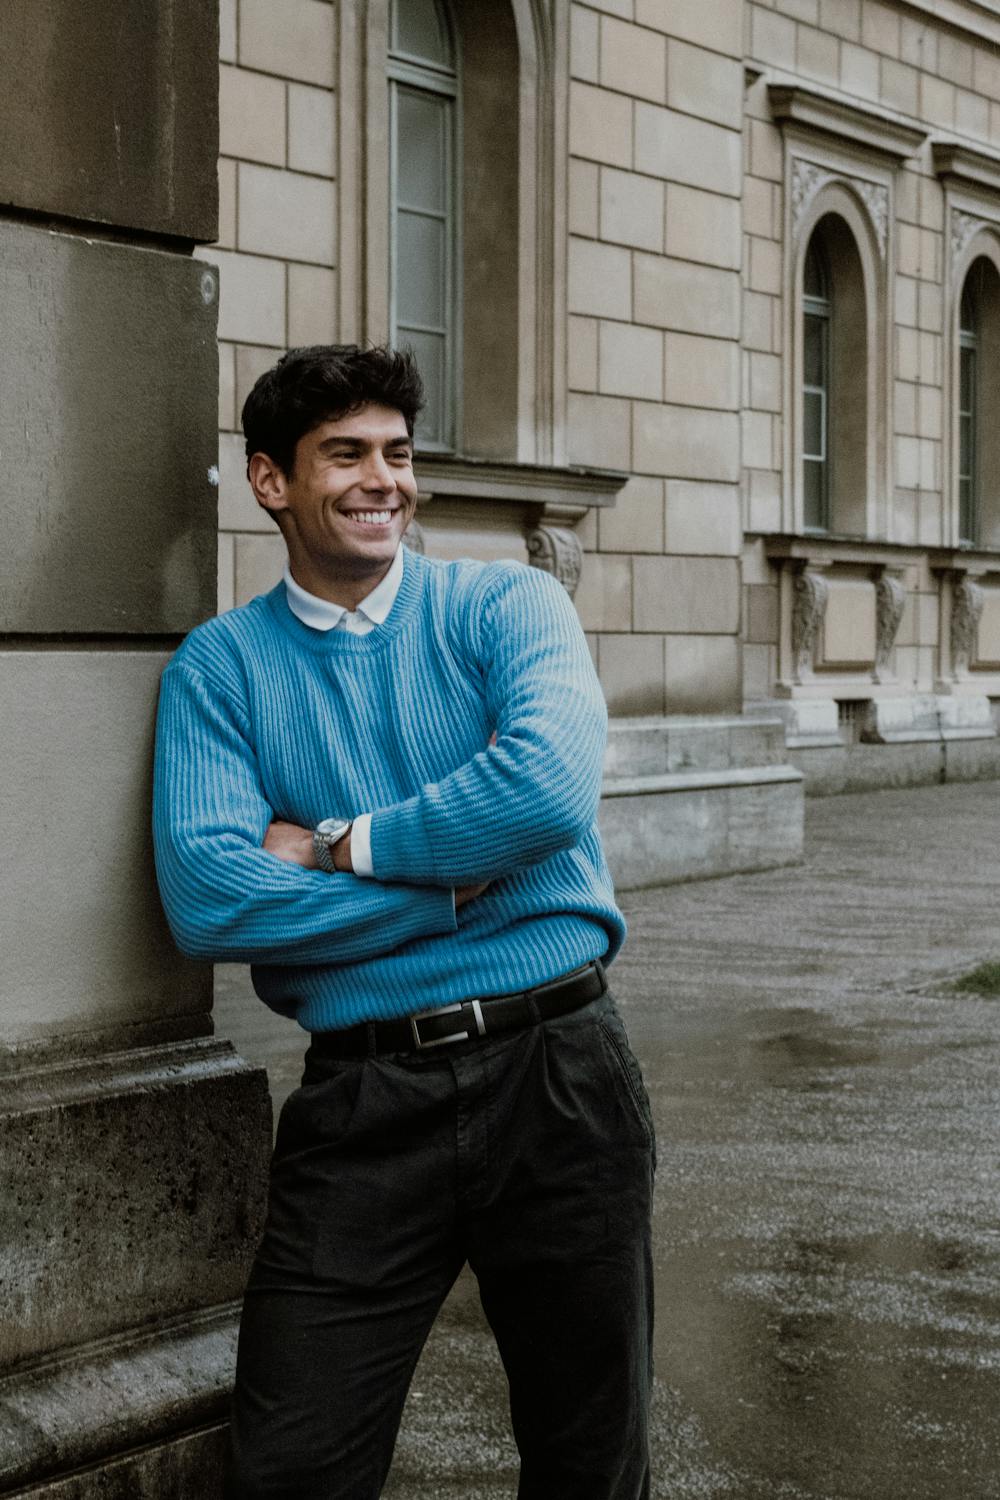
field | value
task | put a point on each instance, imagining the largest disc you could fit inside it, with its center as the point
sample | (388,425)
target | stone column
(132,1143)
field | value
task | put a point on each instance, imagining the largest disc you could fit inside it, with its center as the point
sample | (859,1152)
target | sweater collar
(322,614)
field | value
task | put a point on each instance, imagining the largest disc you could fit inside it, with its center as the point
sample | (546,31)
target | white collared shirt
(322,614)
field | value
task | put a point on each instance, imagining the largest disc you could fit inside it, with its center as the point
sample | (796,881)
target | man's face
(349,498)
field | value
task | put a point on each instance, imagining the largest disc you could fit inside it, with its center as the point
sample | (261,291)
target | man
(378,784)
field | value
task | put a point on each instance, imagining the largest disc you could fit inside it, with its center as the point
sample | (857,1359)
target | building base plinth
(689,798)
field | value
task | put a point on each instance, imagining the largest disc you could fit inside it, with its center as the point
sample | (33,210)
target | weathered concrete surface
(109,112)
(90,951)
(108,402)
(828,1252)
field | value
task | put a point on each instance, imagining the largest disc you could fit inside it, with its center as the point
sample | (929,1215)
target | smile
(370,517)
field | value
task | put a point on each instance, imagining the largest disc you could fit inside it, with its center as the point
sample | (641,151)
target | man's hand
(291,843)
(465,893)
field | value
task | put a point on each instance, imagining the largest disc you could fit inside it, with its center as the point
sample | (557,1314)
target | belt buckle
(438,1041)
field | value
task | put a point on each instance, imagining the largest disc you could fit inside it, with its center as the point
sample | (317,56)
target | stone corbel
(967,601)
(810,592)
(890,601)
(413,537)
(554,546)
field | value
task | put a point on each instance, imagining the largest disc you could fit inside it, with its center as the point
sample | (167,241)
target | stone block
(285,214)
(859,71)
(259,562)
(757,317)
(818,55)
(109,118)
(631,209)
(764,510)
(847,635)
(227,571)
(107,428)
(311,130)
(238,510)
(938,102)
(633,60)
(584,177)
(718,26)
(581,353)
(988,633)
(772,38)
(703,674)
(227,387)
(683,149)
(252,112)
(252,361)
(687,830)
(687,297)
(600,280)
(166,1463)
(703,519)
(93,951)
(758,206)
(955,60)
(703,227)
(765,266)
(294,40)
(694,595)
(312,306)
(758,673)
(765,382)
(635,522)
(227,30)
(604,595)
(227,204)
(630,361)
(701,372)
(766,151)
(842,17)
(971,111)
(584,45)
(600,125)
(106,1158)
(631,672)
(880,27)
(761,616)
(686,443)
(599,432)
(251,298)
(705,84)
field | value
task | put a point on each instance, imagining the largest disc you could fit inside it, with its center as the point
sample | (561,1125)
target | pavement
(826,1227)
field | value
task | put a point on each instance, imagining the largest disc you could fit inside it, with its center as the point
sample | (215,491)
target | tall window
(816,390)
(968,444)
(423,295)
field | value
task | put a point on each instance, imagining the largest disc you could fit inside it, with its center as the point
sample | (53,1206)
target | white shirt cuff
(361,846)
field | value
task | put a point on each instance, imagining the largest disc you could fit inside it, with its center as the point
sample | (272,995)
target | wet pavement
(828,1196)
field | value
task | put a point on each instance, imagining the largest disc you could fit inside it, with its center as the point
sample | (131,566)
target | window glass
(417,28)
(423,294)
(815,391)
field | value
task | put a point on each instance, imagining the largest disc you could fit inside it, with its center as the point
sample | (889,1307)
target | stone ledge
(699,781)
(107,1398)
(888,135)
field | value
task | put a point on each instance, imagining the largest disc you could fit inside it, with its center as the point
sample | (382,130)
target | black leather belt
(481,1016)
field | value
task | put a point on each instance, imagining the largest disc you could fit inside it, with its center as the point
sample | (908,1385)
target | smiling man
(378,784)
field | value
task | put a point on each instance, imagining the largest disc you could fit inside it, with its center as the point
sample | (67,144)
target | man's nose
(377,474)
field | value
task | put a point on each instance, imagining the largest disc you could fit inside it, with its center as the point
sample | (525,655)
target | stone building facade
(690,278)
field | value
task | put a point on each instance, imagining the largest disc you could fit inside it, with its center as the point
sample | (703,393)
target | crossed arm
(238,884)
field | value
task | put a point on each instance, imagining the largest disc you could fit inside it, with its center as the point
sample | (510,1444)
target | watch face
(332,828)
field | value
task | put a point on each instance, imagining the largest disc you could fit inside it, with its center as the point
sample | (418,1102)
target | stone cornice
(974,17)
(855,124)
(823,551)
(971,166)
(566,492)
(963,560)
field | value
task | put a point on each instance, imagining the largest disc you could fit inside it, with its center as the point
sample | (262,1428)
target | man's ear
(268,482)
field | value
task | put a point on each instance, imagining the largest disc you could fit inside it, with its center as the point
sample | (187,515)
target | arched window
(423,206)
(836,384)
(977,445)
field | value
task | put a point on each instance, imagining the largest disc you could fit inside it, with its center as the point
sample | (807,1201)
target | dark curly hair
(320,383)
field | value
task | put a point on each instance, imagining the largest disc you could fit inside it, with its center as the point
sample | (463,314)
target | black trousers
(530,1155)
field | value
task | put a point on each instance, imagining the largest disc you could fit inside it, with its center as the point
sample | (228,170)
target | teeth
(373,517)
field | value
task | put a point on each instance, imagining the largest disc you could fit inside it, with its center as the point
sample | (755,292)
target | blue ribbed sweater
(262,717)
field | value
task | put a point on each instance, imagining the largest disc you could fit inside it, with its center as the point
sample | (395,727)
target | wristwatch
(327,833)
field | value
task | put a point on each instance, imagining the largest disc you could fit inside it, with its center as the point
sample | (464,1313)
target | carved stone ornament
(963,227)
(808,178)
(810,593)
(559,551)
(890,601)
(967,600)
(413,537)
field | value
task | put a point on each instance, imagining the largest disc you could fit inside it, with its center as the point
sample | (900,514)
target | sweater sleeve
(535,790)
(226,898)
